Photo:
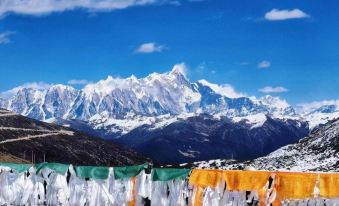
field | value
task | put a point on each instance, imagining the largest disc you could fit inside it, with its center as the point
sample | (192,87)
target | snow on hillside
(316,119)
(256,120)
(123,126)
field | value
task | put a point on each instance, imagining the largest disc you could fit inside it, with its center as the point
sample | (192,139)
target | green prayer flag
(128,171)
(165,174)
(57,167)
(92,172)
(16,167)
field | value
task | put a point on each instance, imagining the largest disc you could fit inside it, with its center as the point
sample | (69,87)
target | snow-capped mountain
(116,108)
(42,104)
(156,95)
(319,113)
(317,152)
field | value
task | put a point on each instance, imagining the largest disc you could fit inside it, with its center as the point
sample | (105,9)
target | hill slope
(317,152)
(203,137)
(11,158)
(21,137)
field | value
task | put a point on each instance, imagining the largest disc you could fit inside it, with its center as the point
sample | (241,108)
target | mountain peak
(276,101)
(179,69)
(133,78)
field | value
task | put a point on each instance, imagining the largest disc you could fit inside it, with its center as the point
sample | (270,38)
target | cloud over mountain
(270,89)
(78,82)
(28,85)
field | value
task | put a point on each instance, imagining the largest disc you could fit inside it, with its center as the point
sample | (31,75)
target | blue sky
(288,48)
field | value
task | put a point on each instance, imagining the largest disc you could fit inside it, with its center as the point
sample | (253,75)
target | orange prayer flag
(132,202)
(276,203)
(329,185)
(205,178)
(262,193)
(246,180)
(198,196)
(295,185)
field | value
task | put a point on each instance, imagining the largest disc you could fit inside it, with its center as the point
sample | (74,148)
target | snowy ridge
(117,102)
(158,99)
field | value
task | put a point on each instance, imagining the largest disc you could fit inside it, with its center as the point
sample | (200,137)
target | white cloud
(264,64)
(308,107)
(32,85)
(224,89)
(150,47)
(4,37)
(269,89)
(78,82)
(279,15)
(41,7)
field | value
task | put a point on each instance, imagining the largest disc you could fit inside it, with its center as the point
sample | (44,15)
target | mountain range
(158,94)
(192,121)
